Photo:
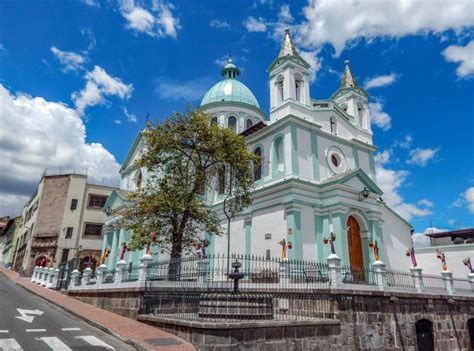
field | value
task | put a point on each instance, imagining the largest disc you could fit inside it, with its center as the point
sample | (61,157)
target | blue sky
(77,79)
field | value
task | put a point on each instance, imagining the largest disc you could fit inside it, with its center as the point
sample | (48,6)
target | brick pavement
(128,330)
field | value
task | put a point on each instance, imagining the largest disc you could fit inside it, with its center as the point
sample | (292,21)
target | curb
(130,342)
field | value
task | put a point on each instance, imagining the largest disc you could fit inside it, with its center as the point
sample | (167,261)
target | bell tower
(289,76)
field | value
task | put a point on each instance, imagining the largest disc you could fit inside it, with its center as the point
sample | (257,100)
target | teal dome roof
(230,89)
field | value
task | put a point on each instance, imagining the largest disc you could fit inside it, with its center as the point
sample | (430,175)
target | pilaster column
(114,250)
(248,240)
(448,281)
(334,263)
(100,272)
(86,276)
(145,261)
(380,274)
(417,274)
(470,276)
(293,222)
(120,271)
(74,275)
(44,281)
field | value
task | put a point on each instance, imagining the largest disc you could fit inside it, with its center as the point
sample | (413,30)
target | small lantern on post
(364,194)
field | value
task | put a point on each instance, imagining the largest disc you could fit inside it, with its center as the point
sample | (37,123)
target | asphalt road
(51,328)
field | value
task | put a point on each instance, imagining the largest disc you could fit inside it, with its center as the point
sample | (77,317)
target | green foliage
(182,157)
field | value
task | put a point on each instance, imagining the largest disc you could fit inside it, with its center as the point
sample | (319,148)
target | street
(29,323)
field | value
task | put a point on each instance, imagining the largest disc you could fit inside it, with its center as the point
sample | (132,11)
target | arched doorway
(41,261)
(470,328)
(424,335)
(354,240)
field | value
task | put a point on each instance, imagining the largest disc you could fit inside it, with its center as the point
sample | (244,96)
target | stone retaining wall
(125,302)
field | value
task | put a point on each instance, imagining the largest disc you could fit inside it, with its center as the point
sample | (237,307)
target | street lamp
(364,194)
(108,211)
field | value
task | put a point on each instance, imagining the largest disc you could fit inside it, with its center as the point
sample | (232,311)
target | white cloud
(70,60)
(378,117)
(255,25)
(405,143)
(381,81)
(465,198)
(390,181)
(130,116)
(158,21)
(189,91)
(53,136)
(422,240)
(314,62)
(2,48)
(421,157)
(464,55)
(383,157)
(327,21)
(117,121)
(219,24)
(93,3)
(425,202)
(285,15)
(98,85)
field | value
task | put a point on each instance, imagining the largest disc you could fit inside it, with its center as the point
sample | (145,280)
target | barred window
(93,229)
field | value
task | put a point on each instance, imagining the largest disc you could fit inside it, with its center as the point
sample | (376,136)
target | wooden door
(355,249)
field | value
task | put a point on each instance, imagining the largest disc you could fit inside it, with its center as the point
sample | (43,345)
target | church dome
(230,89)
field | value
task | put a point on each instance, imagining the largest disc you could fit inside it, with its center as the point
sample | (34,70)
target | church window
(279,86)
(248,124)
(221,180)
(232,124)
(298,87)
(361,114)
(279,156)
(214,120)
(335,160)
(333,124)
(258,164)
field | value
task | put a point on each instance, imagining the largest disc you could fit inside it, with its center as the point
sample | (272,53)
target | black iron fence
(462,284)
(434,282)
(358,275)
(400,279)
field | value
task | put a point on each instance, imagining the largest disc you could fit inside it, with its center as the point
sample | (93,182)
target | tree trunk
(174,268)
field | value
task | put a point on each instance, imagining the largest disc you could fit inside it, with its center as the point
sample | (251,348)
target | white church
(317,173)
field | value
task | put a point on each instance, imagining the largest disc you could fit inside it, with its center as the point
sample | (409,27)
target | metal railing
(434,282)
(131,274)
(462,285)
(358,275)
(109,276)
(400,279)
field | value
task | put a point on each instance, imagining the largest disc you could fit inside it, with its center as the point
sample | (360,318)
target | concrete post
(50,278)
(86,276)
(74,275)
(120,271)
(470,276)
(54,281)
(417,274)
(100,272)
(40,275)
(380,274)
(35,272)
(448,281)
(145,261)
(44,281)
(203,269)
(334,263)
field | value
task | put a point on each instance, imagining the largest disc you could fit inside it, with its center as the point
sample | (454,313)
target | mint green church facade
(316,175)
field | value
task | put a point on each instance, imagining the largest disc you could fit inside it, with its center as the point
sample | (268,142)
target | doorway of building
(356,259)
(470,328)
(424,335)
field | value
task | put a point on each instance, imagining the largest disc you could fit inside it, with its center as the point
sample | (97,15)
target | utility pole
(228,215)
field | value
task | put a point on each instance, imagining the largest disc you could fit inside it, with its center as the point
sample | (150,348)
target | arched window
(279,85)
(298,87)
(332,122)
(232,123)
(248,124)
(279,157)
(138,180)
(361,114)
(424,335)
(221,180)
(258,164)
(214,120)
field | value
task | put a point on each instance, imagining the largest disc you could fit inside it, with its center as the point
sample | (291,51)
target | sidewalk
(140,335)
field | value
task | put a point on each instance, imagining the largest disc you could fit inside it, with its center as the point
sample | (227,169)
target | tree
(183,156)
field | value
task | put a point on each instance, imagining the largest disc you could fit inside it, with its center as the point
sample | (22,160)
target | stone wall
(125,302)
(362,320)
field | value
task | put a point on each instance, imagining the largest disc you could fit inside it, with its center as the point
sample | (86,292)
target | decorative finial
(346,62)
(287,29)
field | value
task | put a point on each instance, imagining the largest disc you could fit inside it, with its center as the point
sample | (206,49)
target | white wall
(426,258)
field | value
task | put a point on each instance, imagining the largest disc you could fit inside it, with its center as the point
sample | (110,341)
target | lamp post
(228,215)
